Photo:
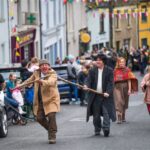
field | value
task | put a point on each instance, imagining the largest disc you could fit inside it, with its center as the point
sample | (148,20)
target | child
(17,95)
(34,64)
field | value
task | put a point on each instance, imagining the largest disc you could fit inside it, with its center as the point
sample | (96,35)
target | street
(75,134)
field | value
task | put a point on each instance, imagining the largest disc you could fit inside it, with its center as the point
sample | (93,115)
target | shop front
(22,45)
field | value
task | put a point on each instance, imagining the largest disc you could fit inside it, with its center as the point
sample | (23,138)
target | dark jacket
(107,86)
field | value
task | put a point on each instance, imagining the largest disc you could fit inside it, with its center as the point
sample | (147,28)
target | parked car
(3,117)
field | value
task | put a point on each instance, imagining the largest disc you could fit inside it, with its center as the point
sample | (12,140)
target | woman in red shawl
(124,84)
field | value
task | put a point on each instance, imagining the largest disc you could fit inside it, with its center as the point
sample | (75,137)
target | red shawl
(125,74)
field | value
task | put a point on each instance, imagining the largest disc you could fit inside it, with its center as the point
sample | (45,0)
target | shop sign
(24,39)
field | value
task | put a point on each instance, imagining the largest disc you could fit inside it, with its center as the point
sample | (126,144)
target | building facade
(125,34)
(144,23)
(24,29)
(4,36)
(76,22)
(98,26)
(53,30)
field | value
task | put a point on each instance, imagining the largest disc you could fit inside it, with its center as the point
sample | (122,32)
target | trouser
(47,121)
(99,110)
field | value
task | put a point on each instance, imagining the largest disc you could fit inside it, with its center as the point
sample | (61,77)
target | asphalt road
(75,134)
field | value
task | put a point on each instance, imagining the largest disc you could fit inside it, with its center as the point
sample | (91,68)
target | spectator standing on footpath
(100,78)
(46,98)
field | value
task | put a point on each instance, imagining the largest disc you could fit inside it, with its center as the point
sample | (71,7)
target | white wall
(4,36)
(94,27)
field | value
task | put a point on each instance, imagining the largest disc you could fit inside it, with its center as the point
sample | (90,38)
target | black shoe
(106,133)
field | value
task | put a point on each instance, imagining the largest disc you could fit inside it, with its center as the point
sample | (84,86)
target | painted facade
(144,23)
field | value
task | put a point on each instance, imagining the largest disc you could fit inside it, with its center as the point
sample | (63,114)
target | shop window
(26,52)
(144,17)
(2,10)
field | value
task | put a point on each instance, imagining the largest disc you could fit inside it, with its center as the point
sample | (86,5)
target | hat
(43,61)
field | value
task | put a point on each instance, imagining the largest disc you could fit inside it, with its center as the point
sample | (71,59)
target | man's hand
(106,95)
(39,81)
(85,87)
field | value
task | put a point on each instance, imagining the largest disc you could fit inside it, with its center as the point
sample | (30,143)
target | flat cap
(44,61)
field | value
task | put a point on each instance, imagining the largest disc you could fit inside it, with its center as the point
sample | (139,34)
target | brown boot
(119,117)
(123,117)
(52,141)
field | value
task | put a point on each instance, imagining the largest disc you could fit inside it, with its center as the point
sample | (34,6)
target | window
(102,16)
(144,42)
(126,43)
(117,21)
(107,45)
(47,16)
(1,10)
(101,45)
(2,53)
(54,12)
(60,48)
(144,17)
(128,20)
(35,5)
(51,53)
(60,11)
(117,45)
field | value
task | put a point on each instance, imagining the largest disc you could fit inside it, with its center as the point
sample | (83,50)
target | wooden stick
(76,84)
(24,85)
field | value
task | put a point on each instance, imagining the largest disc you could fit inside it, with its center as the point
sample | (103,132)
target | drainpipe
(111,24)
(67,52)
(9,35)
(40,29)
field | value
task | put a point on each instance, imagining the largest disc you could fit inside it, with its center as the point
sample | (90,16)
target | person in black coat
(100,78)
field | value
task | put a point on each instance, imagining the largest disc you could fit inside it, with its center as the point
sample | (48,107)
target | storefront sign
(24,39)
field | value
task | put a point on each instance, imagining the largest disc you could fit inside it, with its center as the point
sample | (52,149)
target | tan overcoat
(49,92)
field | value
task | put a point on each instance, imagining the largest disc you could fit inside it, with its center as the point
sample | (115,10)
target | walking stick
(24,85)
(76,84)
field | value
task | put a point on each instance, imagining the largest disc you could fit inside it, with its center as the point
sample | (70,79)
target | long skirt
(121,96)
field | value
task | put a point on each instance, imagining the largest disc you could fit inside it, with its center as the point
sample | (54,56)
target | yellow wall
(144,27)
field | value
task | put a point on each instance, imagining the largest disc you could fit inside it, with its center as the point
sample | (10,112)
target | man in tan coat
(46,98)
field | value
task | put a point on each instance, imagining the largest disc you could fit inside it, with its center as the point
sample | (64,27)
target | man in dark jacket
(100,78)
